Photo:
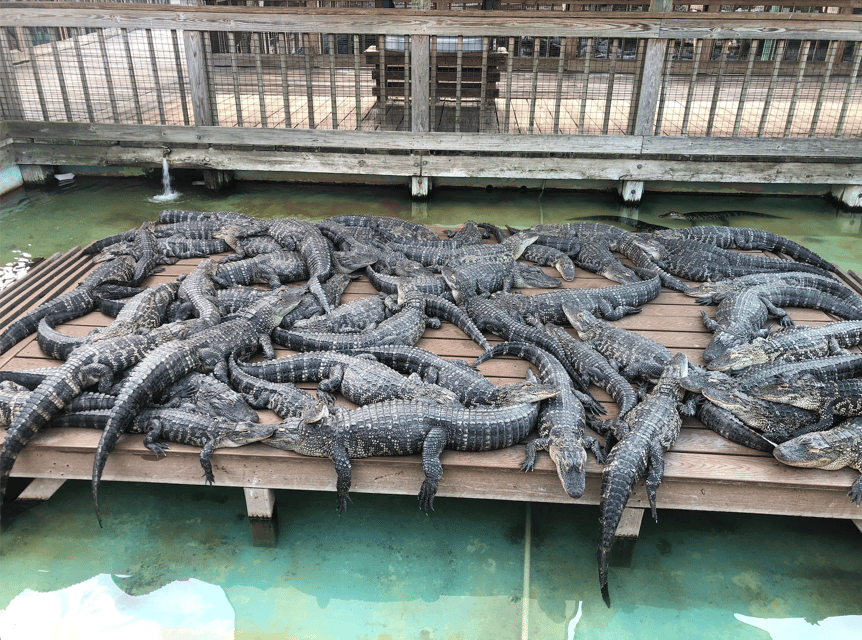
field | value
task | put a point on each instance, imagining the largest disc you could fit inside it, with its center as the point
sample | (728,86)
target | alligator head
(530,275)
(518,242)
(246,433)
(580,319)
(739,357)
(800,392)
(570,459)
(526,391)
(821,449)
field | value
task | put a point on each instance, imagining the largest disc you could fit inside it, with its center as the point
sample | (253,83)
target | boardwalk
(702,472)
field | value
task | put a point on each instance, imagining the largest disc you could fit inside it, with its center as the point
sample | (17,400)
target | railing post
(650,86)
(199,87)
(420,108)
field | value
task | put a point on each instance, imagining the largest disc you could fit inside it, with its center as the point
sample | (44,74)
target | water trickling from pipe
(167,192)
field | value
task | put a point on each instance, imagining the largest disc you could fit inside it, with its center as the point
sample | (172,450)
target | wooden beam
(40,489)
(673,25)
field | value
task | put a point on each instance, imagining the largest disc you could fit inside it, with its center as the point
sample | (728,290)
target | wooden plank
(675,25)
(41,489)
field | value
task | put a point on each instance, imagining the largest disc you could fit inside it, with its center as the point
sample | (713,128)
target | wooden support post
(262,517)
(858,523)
(40,489)
(199,86)
(631,191)
(420,187)
(651,78)
(420,63)
(35,174)
(849,195)
(627,536)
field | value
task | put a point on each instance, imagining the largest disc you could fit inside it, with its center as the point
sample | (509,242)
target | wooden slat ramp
(703,471)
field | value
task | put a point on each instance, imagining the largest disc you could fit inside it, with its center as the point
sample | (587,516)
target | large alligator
(539,254)
(727,425)
(837,448)
(80,300)
(722,215)
(748,239)
(740,317)
(283,398)
(360,379)
(401,428)
(715,292)
(562,420)
(512,248)
(795,345)
(651,429)
(206,349)
(700,261)
(485,278)
(197,294)
(609,302)
(403,228)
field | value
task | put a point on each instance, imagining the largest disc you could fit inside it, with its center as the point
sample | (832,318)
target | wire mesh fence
(487,84)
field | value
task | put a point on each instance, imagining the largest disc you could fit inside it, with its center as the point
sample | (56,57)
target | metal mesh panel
(761,88)
(101,75)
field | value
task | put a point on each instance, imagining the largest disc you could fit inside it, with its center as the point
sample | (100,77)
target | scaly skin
(715,292)
(653,426)
(400,428)
(837,448)
(172,360)
(562,420)
(842,398)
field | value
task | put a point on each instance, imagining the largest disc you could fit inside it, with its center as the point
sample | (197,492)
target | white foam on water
(98,609)
(844,627)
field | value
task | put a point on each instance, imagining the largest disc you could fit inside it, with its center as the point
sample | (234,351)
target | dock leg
(627,535)
(217,179)
(849,195)
(420,187)
(858,523)
(631,191)
(262,516)
(35,173)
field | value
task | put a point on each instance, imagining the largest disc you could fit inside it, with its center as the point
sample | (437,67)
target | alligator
(206,349)
(169,216)
(471,387)
(638,225)
(801,343)
(539,254)
(723,215)
(358,315)
(401,428)
(842,398)
(715,292)
(837,448)
(492,317)
(469,233)
(88,365)
(595,369)
(359,378)
(636,356)
(749,239)
(651,428)
(727,425)
(285,399)
(303,236)
(483,278)
(609,302)
(206,394)
(405,327)
(146,250)
(828,368)
(778,422)
(562,420)
(426,283)
(80,300)
(699,261)
(272,269)
(197,294)
(512,248)
(403,228)
(740,317)
(250,247)
(199,430)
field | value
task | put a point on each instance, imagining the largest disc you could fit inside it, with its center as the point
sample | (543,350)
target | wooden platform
(703,471)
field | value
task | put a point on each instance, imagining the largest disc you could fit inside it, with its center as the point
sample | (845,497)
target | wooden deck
(703,471)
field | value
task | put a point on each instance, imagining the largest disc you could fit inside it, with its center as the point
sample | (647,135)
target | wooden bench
(703,471)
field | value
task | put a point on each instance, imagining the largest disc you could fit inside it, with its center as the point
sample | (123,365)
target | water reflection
(97,608)
(848,627)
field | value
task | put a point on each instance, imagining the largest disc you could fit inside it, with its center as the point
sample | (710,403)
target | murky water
(177,561)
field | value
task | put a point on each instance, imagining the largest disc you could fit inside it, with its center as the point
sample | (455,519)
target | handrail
(673,25)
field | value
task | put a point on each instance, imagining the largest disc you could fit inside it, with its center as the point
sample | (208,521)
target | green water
(472,568)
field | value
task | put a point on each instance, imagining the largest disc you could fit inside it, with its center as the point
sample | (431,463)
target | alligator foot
(426,496)
(855,492)
(343,499)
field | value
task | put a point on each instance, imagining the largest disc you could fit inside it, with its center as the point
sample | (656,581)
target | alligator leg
(855,492)
(206,452)
(540,444)
(432,446)
(150,440)
(656,472)
(342,469)
(778,312)
(709,323)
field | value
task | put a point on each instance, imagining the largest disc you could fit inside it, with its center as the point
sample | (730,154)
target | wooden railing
(620,75)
